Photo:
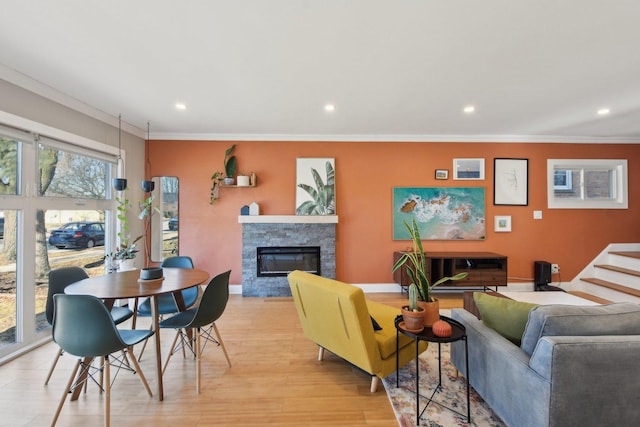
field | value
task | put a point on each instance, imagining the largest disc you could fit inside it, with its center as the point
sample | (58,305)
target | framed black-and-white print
(511,182)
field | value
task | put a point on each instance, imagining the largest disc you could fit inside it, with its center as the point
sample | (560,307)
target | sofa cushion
(505,316)
(570,320)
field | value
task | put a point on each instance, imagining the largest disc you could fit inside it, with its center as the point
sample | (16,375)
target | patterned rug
(452,395)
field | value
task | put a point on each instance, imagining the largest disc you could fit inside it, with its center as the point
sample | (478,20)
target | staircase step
(611,285)
(629,254)
(618,269)
(590,297)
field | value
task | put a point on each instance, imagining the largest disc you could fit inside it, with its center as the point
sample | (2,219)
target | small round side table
(458,332)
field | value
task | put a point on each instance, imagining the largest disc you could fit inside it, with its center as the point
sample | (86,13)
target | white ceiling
(536,70)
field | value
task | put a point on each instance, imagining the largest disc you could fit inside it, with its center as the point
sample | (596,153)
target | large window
(56,212)
(587,184)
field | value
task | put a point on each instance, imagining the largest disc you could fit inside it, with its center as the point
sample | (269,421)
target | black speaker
(541,273)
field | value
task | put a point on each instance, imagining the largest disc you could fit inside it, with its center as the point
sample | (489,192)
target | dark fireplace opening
(282,260)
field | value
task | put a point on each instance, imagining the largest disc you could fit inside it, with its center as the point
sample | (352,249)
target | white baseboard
(372,288)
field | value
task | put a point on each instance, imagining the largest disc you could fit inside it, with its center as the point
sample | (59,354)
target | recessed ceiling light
(603,111)
(329,108)
(469,109)
(181,106)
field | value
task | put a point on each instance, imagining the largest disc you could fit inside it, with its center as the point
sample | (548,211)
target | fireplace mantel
(288,219)
(288,231)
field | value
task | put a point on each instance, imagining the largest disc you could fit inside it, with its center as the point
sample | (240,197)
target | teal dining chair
(83,327)
(201,320)
(166,303)
(59,279)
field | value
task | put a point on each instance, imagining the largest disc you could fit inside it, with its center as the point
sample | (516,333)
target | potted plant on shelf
(413,314)
(415,263)
(230,164)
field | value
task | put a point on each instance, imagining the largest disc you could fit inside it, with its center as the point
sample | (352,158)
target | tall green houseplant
(230,162)
(416,264)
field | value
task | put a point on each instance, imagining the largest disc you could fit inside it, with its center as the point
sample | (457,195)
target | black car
(80,234)
(2,227)
(173,224)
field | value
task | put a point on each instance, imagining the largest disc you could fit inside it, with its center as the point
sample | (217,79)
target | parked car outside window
(78,234)
(173,224)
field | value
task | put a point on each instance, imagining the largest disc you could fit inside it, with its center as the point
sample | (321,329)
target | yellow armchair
(337,317)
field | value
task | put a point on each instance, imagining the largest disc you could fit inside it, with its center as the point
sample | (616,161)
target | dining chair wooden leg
(107,392)
(173,346)
(53,365)
(102,361)
(224,349)
(139,372)
(144,345)
(66,391)
(198,358)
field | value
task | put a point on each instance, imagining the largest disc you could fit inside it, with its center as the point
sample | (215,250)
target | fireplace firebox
(282,260)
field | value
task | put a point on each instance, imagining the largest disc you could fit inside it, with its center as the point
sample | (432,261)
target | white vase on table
(127,264)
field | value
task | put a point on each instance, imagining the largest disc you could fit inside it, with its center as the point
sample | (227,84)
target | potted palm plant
(415,262)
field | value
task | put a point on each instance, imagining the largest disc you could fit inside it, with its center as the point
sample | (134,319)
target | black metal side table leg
(397,360)
(417,383)
(439,366)
(466,361)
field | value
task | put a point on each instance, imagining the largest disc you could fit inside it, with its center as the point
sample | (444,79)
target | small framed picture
(442,174)
(502,223)
(468,169)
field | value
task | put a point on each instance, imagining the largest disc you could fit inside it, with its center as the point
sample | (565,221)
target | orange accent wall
(366,173)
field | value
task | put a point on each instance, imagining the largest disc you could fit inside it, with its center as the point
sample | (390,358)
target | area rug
(452,395)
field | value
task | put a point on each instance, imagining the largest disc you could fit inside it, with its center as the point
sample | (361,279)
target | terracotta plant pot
(431,312)
(413,319)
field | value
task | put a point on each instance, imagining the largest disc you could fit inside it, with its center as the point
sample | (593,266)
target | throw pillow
(506,316)
(376,325)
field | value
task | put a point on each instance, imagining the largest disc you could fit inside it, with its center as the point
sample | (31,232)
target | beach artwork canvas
(442,213)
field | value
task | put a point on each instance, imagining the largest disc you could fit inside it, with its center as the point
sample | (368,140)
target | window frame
(620,184)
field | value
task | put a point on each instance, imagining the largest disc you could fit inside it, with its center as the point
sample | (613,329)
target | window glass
(9,156)
(8,291)
(67,174)
(72,238)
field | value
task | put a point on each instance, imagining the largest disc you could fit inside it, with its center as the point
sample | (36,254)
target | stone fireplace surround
(284,230)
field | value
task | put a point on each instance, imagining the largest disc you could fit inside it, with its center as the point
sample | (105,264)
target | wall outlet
(555,269)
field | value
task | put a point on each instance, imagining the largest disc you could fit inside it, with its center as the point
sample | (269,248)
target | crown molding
(393,138)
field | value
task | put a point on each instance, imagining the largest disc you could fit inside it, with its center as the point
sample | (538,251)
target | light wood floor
(275,380)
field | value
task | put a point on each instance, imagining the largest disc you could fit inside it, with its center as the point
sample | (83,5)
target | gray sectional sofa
(576,366)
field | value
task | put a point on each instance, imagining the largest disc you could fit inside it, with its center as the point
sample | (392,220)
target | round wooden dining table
(126,284)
